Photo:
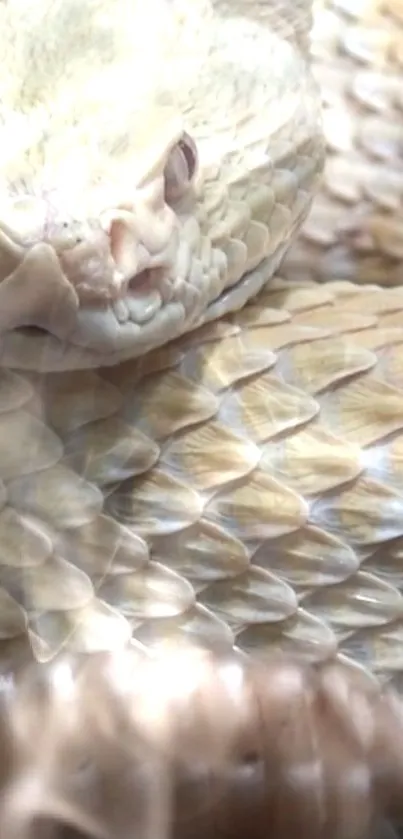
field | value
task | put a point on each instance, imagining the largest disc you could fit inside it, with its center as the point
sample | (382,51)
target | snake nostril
(139,280)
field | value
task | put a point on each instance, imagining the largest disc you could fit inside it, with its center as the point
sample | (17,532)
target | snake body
(201,443)
(355,229)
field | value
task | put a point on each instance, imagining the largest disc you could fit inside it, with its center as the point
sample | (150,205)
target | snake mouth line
(145,295)
(165,324)
(134,281)
(165,310)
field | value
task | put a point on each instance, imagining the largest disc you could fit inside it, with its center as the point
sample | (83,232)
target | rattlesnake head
(145,187)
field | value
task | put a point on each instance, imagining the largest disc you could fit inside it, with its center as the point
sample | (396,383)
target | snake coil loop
(106,747)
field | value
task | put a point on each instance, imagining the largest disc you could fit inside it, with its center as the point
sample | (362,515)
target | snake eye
(180,169)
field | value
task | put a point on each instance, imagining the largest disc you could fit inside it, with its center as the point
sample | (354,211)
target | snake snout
(90,268)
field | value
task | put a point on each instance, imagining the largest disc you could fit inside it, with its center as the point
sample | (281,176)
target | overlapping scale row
(241,487)
(355,229)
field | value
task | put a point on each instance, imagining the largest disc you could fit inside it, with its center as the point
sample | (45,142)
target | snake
(144,216)
(201,390)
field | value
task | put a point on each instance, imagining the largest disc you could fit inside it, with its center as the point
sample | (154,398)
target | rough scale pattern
(355,231)
(242,486)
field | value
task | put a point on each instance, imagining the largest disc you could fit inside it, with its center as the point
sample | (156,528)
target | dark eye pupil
(188,149)
(180,169)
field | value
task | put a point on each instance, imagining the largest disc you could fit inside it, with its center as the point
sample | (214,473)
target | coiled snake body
(195,450)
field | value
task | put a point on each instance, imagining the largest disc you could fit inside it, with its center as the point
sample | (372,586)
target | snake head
(102,278)
(142,182)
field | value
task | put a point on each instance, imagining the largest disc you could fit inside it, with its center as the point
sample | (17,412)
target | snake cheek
(180,169)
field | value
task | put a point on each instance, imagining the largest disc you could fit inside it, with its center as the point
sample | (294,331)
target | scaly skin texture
(242,486)
(355,231)
(237,489)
